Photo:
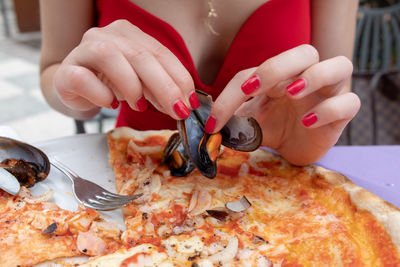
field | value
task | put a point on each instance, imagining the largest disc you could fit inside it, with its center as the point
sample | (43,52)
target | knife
(9,182)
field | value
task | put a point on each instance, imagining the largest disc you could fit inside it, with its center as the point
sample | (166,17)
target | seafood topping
(176,158)
(210,145)
(27,173)
(27,163)
(218,214)
(238,205)
(50,229)
(192,146)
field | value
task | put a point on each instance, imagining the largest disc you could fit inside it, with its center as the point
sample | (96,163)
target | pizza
(34,230)
(259,210)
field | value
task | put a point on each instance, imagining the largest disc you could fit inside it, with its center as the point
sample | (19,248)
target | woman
(284,62)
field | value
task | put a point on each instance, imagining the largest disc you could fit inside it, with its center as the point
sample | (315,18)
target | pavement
(22,105)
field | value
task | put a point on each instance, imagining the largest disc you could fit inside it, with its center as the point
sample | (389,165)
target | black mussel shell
(203,152)
(242,134)
(29,164)
(172,144)
(191,132)
(204,109)
(239,133)
(209,141)
(175,145)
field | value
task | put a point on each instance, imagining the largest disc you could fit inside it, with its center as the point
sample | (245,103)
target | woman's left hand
(298,101)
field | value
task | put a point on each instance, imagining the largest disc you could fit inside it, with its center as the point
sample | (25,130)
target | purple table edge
(375,168)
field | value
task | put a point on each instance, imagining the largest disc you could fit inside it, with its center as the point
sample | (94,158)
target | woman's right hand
(120,62)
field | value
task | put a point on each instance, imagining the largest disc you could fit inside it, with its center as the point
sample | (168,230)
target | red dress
(274,27)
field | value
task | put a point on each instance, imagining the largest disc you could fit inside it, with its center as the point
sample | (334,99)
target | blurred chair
(6,25)
(376,77)
(99,119)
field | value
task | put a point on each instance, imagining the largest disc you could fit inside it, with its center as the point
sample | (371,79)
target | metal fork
(90,194)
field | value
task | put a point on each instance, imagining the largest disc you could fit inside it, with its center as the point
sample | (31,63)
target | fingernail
(210,125)
(252,84)
(141,104)
(309,119)
(181,109)
(194,101)
(115,103)
(296,86)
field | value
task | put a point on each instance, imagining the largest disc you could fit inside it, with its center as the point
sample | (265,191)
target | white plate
(87,155)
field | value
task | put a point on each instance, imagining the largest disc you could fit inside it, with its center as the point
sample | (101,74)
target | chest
(207,38)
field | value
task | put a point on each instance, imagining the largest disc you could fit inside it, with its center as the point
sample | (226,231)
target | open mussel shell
(209,148)
(242,134)
(239,133)
(173,142)
(192,133)
(202,149)
(176,157)
(205,107)
(27,163)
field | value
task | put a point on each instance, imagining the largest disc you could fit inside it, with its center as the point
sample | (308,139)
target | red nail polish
(194,101)
(141,104)
(295,87)
(210,125)
(181,109)
(252,84)
(309,119)
(115,103)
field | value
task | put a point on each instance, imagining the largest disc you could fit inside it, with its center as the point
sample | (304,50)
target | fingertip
(251,85)
(309,119)
(115,103)
(194,101)
(209,127)
(142,104)
(181,109)
(296,87)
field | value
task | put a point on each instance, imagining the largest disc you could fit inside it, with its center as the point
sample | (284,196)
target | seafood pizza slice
(33,230)
(258,211)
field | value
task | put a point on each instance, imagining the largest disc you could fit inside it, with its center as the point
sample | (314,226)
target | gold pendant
(212,13)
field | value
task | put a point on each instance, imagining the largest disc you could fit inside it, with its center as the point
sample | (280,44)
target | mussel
(178,160)
(27,163)
(202,149)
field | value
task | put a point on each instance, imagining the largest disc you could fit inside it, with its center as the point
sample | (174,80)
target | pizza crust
(126,132)
(385,212)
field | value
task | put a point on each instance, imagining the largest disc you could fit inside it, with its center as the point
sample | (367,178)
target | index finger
(227,102)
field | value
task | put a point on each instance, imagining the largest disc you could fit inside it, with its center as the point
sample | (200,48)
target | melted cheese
(184,244)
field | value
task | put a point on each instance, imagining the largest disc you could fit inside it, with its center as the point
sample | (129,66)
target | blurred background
(376,77)
(22,106)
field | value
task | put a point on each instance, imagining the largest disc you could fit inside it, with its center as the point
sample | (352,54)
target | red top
(274,27)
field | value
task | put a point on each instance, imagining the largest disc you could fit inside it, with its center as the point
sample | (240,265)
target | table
(375,168)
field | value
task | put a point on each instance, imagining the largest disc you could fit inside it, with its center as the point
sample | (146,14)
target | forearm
(63,24)
(333,28)
(49,92)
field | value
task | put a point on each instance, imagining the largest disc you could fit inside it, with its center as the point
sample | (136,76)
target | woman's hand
(297,100)
(120,62)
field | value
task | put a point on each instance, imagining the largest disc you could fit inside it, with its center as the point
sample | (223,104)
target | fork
(90,194)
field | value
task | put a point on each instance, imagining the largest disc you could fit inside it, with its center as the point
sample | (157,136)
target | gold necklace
(212,13)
